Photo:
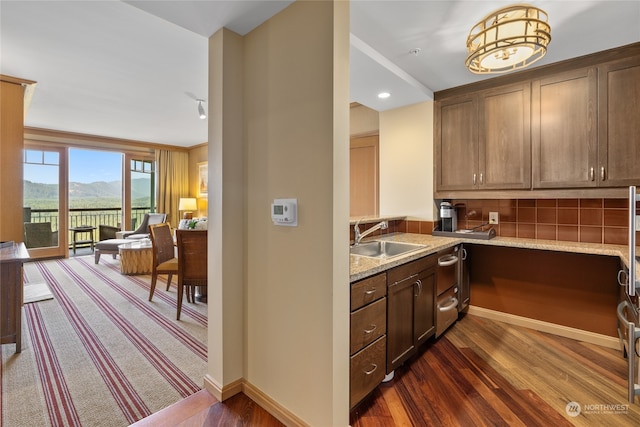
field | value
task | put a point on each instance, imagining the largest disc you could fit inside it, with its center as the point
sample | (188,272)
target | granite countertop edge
(362,267)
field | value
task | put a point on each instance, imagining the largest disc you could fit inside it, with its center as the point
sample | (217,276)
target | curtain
(173,182)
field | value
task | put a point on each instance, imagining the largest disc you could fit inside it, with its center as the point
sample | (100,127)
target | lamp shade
(508,39)
(188,204)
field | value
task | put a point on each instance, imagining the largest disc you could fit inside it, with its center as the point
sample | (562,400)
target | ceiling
(134,69)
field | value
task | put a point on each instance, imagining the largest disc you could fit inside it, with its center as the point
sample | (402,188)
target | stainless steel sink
(383,249)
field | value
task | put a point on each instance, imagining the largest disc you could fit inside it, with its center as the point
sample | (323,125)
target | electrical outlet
(637,222)
(493,217)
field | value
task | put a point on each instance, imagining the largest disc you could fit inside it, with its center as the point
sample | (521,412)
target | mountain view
(94,194)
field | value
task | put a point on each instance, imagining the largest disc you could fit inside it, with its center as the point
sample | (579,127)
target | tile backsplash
(571,220)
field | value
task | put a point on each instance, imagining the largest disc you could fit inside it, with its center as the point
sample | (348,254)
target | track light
(201,112)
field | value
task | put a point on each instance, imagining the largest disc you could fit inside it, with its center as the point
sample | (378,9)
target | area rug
(34,292)
(99,353)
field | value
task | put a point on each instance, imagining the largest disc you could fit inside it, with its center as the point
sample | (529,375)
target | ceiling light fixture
(508,39)
(201,112)
(384,95)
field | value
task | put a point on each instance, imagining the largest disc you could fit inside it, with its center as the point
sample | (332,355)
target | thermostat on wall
(284,212)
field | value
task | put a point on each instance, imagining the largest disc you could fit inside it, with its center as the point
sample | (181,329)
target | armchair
(39,235)
(142,232)
(106,232)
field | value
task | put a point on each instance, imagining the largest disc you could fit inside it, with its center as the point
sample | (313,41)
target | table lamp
(187,205)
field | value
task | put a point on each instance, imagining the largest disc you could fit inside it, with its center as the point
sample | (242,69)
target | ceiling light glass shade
(201,112)
(187,204)
(508,39)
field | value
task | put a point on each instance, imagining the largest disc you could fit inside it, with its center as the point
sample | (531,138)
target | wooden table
(11,293)
(136,257)
(82,229)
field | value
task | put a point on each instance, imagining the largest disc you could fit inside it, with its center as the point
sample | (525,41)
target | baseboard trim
(254,393)
(552,328)
(274,408)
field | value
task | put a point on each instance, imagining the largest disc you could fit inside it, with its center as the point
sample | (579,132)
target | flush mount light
(508,39)
(201,112)
(384,95)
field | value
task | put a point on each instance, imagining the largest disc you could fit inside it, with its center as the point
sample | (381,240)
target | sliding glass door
(44,201)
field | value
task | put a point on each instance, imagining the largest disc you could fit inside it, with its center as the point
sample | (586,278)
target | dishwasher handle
(447,260)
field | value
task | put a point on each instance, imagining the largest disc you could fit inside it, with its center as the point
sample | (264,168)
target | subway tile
(508,229)
(616,236)
(568,203)
(508,203)
(616,218)
(527,215)
(590,216)
(546,216)
(526,231)
(546,203)
(508,214)
(568,233)
(616,203)
(546,232)
(590,203)
(402,226)
(413,227)
(590,234)
(426,227)
(526,203)
(567,216)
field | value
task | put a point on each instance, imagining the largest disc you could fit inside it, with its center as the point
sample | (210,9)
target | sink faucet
(382,225)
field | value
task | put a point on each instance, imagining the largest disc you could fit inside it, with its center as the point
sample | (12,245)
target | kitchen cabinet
(483,140)
(564,130)
(456,143)
(618,124)
(410,309)
(368,336)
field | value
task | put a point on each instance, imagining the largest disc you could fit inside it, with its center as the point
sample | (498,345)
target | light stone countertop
(361,267)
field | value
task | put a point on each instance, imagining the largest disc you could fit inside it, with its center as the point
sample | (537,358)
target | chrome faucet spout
(382,225)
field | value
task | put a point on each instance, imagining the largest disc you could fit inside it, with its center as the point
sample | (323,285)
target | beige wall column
(406,180)
(226,215)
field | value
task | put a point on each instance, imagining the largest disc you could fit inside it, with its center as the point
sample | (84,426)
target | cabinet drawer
(367,324)
(368,290)
(367,370)
(402,272)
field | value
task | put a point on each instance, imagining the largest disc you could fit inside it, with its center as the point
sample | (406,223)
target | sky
(84,166)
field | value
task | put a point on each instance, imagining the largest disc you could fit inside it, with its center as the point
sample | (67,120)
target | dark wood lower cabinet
(410,309)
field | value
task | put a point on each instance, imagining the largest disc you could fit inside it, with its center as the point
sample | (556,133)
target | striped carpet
(99,353)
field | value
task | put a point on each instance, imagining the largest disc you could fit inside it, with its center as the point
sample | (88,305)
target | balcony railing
(85,216)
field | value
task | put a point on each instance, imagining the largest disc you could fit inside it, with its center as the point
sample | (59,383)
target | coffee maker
(448,217)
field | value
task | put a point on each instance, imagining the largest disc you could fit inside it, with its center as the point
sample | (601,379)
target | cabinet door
(504,138)
(364,171)
(619,123)
(400,342)
(563,130)
(424,303)
(456,124)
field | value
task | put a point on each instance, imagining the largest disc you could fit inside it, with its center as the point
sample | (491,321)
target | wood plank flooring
(480,373)
(488,373)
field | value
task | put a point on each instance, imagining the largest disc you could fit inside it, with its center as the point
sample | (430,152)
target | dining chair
(192,263)
(164,260)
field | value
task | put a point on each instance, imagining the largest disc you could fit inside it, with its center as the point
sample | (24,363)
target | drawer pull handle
(591,175)
(372,370)
(368,331)
(447,260)
(370,291)
(603,176)
(453,304)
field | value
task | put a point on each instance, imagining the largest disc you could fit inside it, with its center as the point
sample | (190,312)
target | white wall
(406,162)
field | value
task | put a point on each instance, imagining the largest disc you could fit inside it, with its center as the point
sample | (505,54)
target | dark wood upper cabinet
(457,143)
(505,138)
(564,130)
(619,123)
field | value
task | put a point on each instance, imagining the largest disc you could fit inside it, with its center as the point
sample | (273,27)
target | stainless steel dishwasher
(447,289)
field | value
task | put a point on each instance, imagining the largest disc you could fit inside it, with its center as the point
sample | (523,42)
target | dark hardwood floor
(480,373)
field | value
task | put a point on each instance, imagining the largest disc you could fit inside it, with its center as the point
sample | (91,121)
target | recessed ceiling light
(384,95)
